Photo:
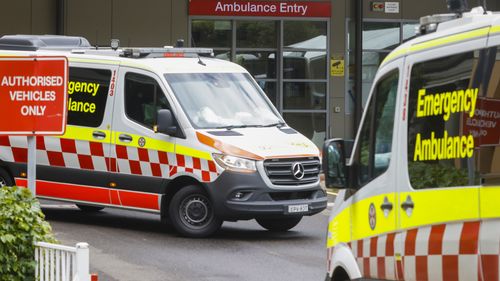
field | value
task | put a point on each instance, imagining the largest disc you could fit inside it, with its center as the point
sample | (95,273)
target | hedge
(21,224)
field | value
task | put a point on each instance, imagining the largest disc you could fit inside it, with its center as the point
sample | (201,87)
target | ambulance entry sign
(33,96)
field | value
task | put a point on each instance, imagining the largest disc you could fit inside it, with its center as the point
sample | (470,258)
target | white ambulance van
(168,131)
(419,195)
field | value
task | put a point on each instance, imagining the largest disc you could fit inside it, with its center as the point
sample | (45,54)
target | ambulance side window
(87,95)
(454,120)
(143,99)
(373,153)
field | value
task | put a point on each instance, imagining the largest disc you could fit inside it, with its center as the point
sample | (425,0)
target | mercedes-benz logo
(298,171)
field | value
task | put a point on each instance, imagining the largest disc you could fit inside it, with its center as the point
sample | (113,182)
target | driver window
(373,153)
(143,99)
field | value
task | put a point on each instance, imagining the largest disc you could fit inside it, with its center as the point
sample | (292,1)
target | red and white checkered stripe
(463,251)
(91,156)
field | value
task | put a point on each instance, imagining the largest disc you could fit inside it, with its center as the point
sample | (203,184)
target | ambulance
(419,196)
(170,131)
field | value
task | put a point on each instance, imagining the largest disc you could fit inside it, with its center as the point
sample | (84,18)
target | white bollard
(82,262)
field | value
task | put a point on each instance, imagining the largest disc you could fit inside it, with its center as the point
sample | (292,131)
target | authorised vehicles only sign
(33,95)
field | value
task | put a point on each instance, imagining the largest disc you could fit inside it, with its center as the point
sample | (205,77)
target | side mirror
(166,123)
(334,164)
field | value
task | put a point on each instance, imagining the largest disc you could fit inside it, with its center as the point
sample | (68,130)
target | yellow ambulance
(419,195)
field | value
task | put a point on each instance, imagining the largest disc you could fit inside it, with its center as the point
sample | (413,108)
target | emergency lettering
(83,90)
(83,87)
(446,103)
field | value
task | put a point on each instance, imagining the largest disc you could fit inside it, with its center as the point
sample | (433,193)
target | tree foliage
(21,224)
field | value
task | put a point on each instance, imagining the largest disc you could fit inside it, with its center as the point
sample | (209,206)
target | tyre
(88,208)
(192,214)
(279,225)
(5,178)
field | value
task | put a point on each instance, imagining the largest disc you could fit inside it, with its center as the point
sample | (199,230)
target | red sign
(33,95)
(485,124)
(259,8)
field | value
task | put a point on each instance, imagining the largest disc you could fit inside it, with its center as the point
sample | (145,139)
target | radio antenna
(482,3)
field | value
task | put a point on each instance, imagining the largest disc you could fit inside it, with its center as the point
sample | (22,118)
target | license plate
(298,208)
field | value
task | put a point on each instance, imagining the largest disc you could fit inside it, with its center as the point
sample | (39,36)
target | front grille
(279,171)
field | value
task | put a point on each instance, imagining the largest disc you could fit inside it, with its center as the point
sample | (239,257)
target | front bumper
(258,200)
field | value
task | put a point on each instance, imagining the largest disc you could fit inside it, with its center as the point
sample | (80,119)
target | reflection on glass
(304,65)
(270,90)
(210,33)
(409,30)
(380,35)
(256,34)
(260,64)
(304,34)
(219,100)
(223,54)
(302,95)
(302,122)
(371,62)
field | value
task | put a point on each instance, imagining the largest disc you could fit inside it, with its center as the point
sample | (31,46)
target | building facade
(300,52)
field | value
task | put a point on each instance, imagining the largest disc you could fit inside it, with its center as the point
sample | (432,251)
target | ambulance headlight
(236,164)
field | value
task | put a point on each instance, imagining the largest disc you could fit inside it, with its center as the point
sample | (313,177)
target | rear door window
(454,111)
(87,94)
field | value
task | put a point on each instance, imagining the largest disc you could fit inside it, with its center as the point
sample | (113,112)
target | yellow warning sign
(337,66)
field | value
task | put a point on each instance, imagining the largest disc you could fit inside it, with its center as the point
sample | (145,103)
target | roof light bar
(165,52)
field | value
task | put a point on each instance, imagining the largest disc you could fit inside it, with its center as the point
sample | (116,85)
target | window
(453,115)
(143,99)
(373,153)
(220,100)
(88,92)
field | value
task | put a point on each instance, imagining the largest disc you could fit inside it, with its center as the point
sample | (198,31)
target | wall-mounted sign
(260,8)
(33,95)
(385,7)
(392,7)
(378,6)
(337,66)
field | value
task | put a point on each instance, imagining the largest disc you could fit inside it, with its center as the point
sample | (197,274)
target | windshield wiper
(278,124)
(230,127)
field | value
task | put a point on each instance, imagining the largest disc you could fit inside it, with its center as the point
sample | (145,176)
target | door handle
(408,204)
(125,138)
(99,135)
(386,206)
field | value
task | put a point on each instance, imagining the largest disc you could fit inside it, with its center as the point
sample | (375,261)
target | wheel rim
(2,182)
(195,211)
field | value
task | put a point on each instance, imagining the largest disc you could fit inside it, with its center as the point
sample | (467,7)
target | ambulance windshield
(222,100)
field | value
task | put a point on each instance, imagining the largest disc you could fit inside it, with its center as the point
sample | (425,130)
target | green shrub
(21,224)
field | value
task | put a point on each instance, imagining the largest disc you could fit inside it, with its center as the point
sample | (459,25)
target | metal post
(32,164)
(358,87)
(82,262)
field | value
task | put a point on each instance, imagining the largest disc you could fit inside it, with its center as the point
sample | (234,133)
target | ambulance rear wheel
(279,225)
(192,213)
(5,178)
(88,208)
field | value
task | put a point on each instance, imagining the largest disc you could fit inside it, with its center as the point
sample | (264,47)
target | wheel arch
(343,261)
(173,187)
(7,169)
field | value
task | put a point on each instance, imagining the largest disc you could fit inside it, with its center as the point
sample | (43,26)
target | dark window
(453,114)
(143,99)
(87,95)
(208,33)
(373,153)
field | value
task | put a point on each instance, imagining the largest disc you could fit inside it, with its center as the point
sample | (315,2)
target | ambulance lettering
(445,104)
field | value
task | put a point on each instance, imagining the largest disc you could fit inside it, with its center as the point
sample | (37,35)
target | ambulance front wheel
(279,225)
(5,178)
(192,213)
